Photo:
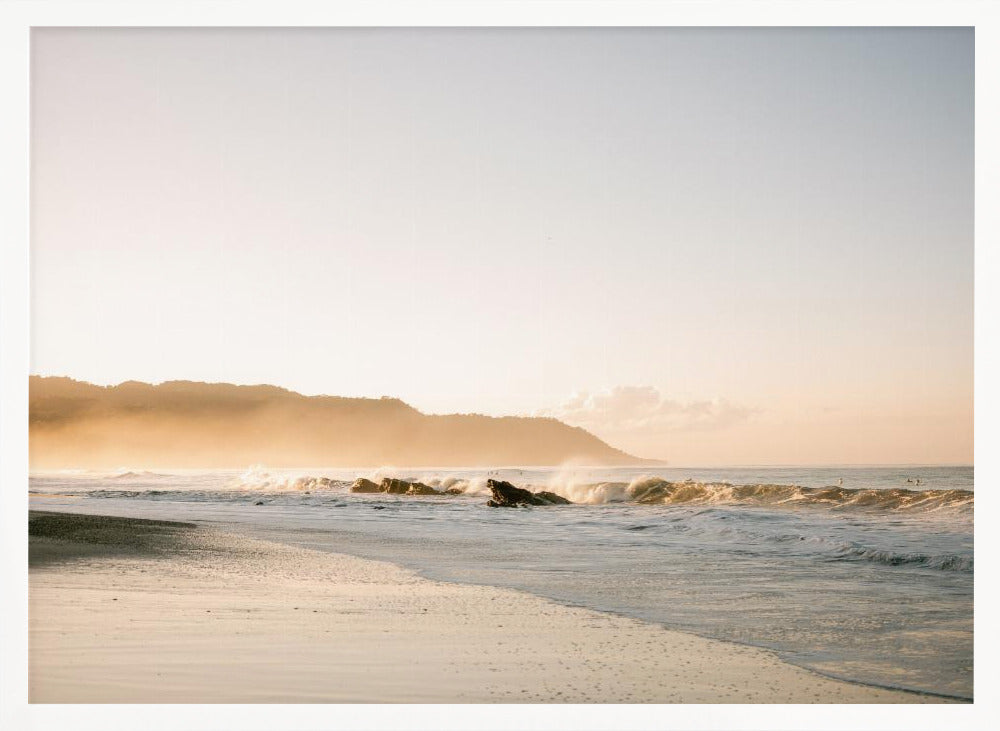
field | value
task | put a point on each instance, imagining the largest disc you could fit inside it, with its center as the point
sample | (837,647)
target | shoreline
(177,612)
(424,573)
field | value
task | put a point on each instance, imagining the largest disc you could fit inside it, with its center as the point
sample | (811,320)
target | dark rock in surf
(395,486)
(506,495)
(363,485)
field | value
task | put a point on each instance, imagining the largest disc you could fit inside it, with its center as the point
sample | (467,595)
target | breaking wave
(257,478)
(654,490)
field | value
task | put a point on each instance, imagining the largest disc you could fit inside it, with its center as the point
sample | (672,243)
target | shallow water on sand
(860,573)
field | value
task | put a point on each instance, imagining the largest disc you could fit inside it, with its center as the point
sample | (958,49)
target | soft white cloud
(642,409)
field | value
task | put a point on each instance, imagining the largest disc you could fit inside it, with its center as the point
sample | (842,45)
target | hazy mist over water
(189,424)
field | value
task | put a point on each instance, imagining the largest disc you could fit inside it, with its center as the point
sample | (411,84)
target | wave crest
(654,490)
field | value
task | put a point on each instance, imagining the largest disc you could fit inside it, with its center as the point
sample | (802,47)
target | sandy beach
(133,611)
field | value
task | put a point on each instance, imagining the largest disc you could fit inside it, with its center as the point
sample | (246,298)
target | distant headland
(186,424)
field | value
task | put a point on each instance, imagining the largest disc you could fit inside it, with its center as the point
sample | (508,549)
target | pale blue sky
(772,227)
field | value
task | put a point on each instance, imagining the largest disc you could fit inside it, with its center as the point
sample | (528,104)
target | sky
(710,246)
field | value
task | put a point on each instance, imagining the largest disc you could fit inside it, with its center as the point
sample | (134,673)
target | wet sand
(135,611)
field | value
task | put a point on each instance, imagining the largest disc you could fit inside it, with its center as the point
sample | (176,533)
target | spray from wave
(257,478)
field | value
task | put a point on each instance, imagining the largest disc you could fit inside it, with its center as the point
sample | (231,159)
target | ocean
(860,573)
